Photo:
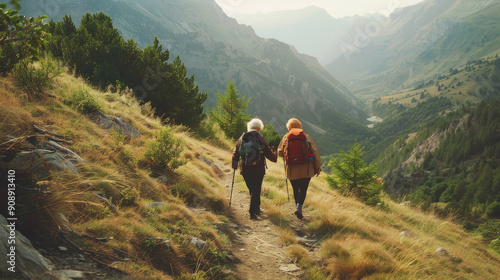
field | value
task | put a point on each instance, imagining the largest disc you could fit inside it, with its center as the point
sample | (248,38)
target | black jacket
(260,167)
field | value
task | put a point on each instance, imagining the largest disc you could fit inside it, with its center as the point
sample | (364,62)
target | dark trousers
(254,185)
(300,190)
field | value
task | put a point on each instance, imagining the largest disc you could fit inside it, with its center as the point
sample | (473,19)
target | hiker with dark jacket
(299,173)
(253,172)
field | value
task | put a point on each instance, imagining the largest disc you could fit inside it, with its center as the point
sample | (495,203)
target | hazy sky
(336,8)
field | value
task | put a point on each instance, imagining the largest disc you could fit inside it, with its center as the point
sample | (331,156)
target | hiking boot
(253,216)
(260,211)
(298,213)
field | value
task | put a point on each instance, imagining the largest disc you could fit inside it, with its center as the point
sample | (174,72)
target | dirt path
(259,251)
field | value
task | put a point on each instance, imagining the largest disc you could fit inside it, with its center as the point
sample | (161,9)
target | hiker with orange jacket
(253,150)
(302,161)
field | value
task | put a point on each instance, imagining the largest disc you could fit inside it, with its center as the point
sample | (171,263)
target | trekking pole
(232,185)
(287,194)
(286,181)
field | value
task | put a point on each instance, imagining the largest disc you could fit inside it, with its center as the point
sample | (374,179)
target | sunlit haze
(336,8)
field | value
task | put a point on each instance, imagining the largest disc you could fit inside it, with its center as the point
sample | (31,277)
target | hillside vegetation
(445,129)
(341,238)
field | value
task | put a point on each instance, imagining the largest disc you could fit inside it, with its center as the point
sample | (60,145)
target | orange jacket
(305,170)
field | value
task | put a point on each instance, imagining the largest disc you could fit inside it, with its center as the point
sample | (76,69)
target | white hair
(255,124)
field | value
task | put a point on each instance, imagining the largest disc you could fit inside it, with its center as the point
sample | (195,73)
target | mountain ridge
(304,28)
(402,54)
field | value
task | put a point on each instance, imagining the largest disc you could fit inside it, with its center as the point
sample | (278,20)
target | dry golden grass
(10,93)
(357,241)
(297,252)
(15,121)
(288,236)
(113,167)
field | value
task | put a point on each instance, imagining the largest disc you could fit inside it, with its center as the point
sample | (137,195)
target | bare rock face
(65,152)
(115,123)
(23,261)
(40,163)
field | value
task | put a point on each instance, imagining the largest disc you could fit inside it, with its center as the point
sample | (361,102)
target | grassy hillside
(116,167)
(476,80)
(340,238)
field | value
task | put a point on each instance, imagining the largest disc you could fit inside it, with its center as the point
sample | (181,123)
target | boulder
(162,180)
(198,243)
(40,163)
(289,268)
(115,123)
(65,152)
(28,261)
(441,251)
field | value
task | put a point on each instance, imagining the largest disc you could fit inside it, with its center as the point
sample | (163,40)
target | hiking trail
(258,249)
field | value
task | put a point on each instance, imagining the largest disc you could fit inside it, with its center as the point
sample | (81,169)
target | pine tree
(351,176)
(231,112)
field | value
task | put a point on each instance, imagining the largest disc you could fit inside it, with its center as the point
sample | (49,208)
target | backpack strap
(305,148)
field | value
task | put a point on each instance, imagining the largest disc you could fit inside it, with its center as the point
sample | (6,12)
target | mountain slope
(453,159)
(418,43)
(281,82)
(311,30)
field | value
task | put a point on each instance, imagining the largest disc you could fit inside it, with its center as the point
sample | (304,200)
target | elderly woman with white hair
(253,150)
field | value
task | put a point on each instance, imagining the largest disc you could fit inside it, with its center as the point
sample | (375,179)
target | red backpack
(297,149)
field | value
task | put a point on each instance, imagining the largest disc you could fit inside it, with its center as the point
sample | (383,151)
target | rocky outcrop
(23,260)
(429,145)
(116,124)
(40,163)
(65,152)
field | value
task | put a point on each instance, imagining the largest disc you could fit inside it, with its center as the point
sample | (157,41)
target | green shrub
(490,230)
(495,245)
(208,131)
(165,151)
(128,196)
(35,80)
(82,100)
(493,211)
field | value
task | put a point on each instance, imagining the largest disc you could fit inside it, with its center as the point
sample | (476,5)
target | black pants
(300,190)
(254,185)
